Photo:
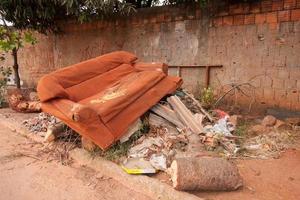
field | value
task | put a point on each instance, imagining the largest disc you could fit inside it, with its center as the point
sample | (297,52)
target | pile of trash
(177,125)
(41,123)
(180,127)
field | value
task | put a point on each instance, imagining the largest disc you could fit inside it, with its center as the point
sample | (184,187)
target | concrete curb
(150,187)
(15,126)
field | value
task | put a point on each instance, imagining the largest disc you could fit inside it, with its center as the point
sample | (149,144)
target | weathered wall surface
(258,42)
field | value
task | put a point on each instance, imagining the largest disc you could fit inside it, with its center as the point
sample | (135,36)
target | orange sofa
(101,97)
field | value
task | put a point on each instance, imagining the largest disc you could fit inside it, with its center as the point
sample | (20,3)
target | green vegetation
(207,97)
(5,73)
(241,129)
(11,40)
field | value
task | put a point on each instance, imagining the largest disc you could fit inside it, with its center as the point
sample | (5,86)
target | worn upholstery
(101,97)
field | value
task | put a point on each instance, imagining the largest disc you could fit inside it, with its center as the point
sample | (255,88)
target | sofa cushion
(112,100)
(99,83)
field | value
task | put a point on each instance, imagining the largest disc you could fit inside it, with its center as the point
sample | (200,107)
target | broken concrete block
(259,129)
(281,125)
(131,130)
(159,162)
(268,120)
(204,173)
(293,121)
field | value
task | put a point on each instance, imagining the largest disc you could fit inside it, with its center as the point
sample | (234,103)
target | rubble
(268,120)
(138,166)
(41,123)
(159,162)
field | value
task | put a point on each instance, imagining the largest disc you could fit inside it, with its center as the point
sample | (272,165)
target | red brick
(272,17)
(198,14)
(167,17)
(228,20)
(223,11)
(160,18)
(277,5)
(266,6)
(249,19)
(278,83)
(255,7)
(295,15)
(260,18)
(238,19)
(280,95)
(218,21)
(290,84)
(288,4)
(298,4)
(274,26)
(284,16)
(293,95)
(269,94)
(236,9)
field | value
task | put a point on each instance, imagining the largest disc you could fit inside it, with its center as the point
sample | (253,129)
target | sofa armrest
(141,66)
(49,88)
(74,111)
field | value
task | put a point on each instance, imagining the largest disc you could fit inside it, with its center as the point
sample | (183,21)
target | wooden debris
(209,117)
(185,115)
(19,103)
(167,114)
(87,144)
(204,173)
(54,131)
(131,130)
(157,121)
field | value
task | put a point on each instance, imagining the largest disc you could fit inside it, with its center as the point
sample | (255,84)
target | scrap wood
(131,130)
(53,131)
(204,173)
(185,115)
(209,117)
(157,121)
(167,114)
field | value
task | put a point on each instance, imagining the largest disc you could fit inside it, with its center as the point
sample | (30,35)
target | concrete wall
(258,42)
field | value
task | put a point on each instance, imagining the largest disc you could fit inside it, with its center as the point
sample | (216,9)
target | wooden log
(167,114)
(185,115)
(204,173)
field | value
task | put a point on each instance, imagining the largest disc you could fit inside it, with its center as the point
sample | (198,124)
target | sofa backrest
(57,84)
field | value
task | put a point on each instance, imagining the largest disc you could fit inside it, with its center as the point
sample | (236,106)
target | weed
(4,73)
(241,129)
(207,97)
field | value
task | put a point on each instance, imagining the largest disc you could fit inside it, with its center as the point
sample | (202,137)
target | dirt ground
(272,179)
(25,176)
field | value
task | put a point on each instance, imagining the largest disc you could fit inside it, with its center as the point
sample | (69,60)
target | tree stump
(204,174)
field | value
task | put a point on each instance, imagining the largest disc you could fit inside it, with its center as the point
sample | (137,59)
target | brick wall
(257,43)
